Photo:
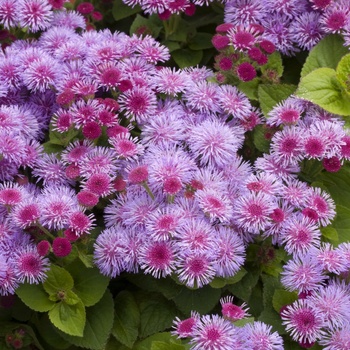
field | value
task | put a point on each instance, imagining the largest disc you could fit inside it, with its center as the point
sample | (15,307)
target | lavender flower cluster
(161,147)
(291,25)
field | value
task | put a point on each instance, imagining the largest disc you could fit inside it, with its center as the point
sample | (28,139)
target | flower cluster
(92,122)
(220,333)
(290,25)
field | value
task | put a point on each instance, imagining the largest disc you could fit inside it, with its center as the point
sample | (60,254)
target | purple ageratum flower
(303,273)
(243,38)
(168,162)
(335,17)
(214,143)
(195,269)
(26,213)
(151,50)
(261,337)
(229,251)
(9,13)
(270,164)
(252,212)
(9,70)
(291,8)
(303,322)
(75,151)
(166,126)
(332,260)
(338,339)
(68,19)
(287,112)
(34,14)
(203,97)
(286,145)
(158,258)
(134,210)
(234,102)
(8,170)
(184,328)
(215,205)
(164,223)
(263,182)
(51,171)
(138,103)
(195,234)
(12,147)
(110,251)
(98,160)
(277,30)
(41,74)
(55,37)
(299,234)
(56,204)
(244,12)
(231,311)
(29,266)
(213,332)
(8,279)
(170,81)
(295,192)
(333,303)
(322,203)
(306,30)
(126,147)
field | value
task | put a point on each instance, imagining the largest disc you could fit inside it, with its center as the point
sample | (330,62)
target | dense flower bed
(149,206)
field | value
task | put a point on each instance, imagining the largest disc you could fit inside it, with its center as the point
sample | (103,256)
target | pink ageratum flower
(184,328)
(303,322)
(29,266)
(213,332)
(231,311)
(61,247)
(158,258)
(34,14)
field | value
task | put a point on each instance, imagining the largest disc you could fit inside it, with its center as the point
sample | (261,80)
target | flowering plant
(149,206)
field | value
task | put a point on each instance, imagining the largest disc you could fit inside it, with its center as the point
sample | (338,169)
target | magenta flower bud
(245,71)
(43,248)
(61,247)
(138,175)
(85,8)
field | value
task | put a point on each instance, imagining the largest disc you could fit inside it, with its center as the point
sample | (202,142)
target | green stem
(144,184)
(45,230)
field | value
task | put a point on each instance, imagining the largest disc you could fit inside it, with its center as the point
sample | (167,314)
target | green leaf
(201,41)
(202,300)
(147,343)
(282,297)
(114,344)
(243,289)
(271,94)
(126,319)
(89,284)
(120,10)
(49,334)
(50,147)
(342,223)
(260,141)
(69,319)
(160,345)
(243,321)
(322,88)
(71,298)
(99,321)
(151,25)
(220,282)
(271,317)
(337,185)
(250,88)
(274,63)
(327,53)
(186,57)
(166,286)
(35,297)
(156,314)
(330,234)
(58,279)
(343,72)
